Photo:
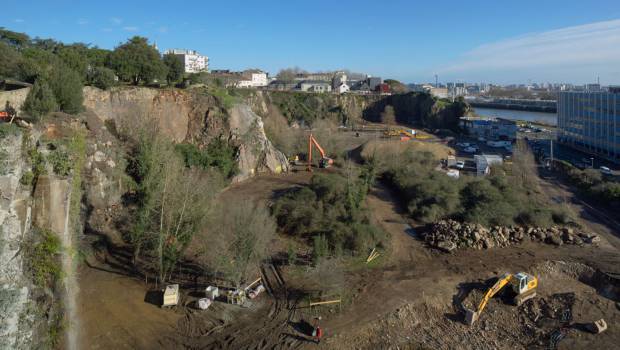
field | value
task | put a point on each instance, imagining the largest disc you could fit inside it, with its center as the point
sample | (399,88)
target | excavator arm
(313,142)
(470,315)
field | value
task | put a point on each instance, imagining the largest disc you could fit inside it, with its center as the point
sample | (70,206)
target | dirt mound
(448,235)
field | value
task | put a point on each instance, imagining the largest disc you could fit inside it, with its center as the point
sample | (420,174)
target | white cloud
(82,21)
(106,30)
(594,46)
(18,20)
(130,28)
(116,20)
(163,29)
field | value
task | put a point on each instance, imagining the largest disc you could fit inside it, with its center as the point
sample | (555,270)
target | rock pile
(449,235)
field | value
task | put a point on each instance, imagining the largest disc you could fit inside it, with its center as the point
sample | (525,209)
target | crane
(523,284)
(324,162)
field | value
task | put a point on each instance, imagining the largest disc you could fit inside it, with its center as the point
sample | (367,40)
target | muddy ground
(408,299)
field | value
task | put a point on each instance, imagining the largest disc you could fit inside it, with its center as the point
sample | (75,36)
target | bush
(101,77)
(27,178)
(44,258)
(330,209)
(498,199)
(40,100)
(218,154)
(67,86)
(60,161)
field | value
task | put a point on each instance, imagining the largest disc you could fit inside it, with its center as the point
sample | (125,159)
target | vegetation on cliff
(420,109)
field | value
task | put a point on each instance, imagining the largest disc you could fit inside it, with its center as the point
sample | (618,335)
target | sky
(474,41)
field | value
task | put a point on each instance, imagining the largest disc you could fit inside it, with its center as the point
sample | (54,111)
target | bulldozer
(522,284)
(324,162)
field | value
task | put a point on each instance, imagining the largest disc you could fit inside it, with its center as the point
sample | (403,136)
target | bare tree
(236,240)
(388,117)
(174,200)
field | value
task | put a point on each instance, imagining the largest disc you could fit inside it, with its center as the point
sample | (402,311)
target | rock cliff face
(256,153)
(15,98)
(15,288)
(188,116)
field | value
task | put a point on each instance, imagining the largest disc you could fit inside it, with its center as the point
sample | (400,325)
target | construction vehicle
(523,286)
(324,162)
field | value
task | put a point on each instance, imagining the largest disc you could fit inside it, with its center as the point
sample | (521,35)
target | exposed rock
(16,318)
(448,235)
(256,152)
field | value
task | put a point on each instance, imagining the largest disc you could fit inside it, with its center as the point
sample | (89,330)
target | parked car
(460,164)
(604,170)
(463,144)
(471,149)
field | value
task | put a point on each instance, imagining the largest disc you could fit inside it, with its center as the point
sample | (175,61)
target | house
(315,86)
(342,88)
(485,161)
(193,62)
(253,78)
(383,88)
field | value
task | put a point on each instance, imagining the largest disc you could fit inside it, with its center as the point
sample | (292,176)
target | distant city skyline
(480,41)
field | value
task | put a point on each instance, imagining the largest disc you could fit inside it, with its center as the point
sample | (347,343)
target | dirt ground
(407,300)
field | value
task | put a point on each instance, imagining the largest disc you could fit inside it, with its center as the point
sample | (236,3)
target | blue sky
(493,41)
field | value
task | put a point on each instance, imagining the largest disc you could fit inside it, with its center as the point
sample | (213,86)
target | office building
(590,121)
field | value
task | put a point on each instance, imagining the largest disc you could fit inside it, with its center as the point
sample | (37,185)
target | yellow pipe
(325,302)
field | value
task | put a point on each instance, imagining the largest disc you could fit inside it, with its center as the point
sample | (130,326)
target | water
(546,118)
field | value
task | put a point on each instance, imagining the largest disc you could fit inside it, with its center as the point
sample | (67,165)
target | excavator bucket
(471,316)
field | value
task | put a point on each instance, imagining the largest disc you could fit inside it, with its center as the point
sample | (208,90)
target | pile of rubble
(449,235)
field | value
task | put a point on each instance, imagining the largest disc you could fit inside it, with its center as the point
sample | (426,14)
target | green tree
(40,99)
(175,68)
(14,38)
(75,58)
(67,86)
(102,77)
(9,61)
(138,62)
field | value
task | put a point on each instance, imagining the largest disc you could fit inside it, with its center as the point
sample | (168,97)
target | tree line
(58,71)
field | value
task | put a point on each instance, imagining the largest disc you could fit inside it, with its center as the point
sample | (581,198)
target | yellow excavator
(523,285)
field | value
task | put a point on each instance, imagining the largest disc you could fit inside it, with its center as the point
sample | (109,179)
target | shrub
(40,99)
(218,154)
(67,86)
(44,258)
(60,161)
(27,178)
(101,77)
(330,209)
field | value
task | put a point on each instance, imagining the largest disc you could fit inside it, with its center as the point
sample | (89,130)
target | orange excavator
(324,162)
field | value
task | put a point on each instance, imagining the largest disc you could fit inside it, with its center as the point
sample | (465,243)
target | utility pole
(436,81)
(551,165)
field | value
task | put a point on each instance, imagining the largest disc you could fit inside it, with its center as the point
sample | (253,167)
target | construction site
(328,237)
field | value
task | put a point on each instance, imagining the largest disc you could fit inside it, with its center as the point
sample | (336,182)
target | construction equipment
(324,162)
(523,285)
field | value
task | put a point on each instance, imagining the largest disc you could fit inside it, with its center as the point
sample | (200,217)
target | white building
(315,86)
(485,161)
(192,60)
(342,88)
(253,78)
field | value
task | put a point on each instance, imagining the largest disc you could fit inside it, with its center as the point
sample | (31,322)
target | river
(546,118)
